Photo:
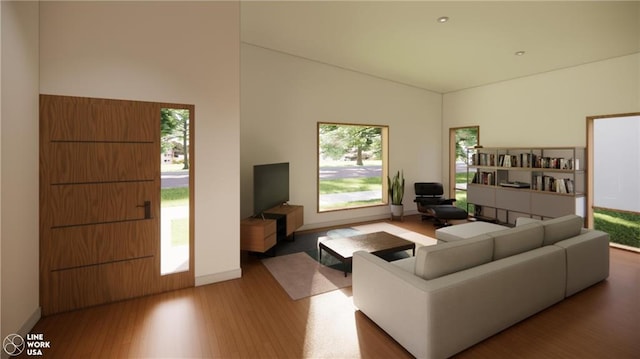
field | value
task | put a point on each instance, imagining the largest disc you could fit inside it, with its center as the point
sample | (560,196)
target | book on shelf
(553,162)
(483,159)
(486,178)
(505,160)
(551,184)
(525,159)
(522,160)
(570,186)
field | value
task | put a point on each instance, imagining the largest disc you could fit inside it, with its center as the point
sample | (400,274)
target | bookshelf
(504,183)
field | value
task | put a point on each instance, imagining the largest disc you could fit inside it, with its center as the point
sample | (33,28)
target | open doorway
(613,201)
(460,140)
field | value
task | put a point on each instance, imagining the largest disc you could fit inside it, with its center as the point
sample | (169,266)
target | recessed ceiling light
(519,53)
(443,19)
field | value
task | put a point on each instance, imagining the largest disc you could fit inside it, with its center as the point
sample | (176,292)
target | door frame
(171,281)
(590,165)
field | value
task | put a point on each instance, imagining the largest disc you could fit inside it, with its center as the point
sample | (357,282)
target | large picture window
(352,163)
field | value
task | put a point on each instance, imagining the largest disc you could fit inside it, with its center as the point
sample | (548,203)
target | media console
(279,223)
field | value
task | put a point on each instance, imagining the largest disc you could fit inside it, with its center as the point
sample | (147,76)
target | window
(175,172)
(460,140)
(352,163)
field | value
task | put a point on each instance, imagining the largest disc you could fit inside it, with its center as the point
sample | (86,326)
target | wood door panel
(101,120)
(115,122)
(85,245)
(99,164)
(98,284)
(70,289)
(82,162)
(58,114)
(82,204)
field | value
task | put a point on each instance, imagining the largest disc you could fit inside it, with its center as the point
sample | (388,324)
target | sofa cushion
(526,220)
(407,264)
(561,228)
(446,258)
(466,230)
(517,240)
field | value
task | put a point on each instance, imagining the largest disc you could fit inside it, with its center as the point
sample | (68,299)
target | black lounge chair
(432,204)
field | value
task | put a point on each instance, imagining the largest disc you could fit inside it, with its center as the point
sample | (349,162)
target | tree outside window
(351,166)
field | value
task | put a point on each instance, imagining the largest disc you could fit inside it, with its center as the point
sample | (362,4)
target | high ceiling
(404,42)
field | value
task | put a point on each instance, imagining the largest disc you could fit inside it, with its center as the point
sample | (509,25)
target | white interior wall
(548,109)
(180,52)
(19,162)
(283,99)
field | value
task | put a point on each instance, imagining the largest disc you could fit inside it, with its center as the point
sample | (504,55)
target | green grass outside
(461,196)
(352,204)
(623,228)
(346,185)
(180,232)
(172,197)
(343,185)
(461,177)
(461,200)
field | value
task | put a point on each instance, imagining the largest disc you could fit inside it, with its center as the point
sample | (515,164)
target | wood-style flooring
(253,317)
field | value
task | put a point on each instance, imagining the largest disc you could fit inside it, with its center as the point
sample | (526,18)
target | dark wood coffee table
(378,243)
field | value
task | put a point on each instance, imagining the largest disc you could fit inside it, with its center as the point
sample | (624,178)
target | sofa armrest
(587,259)
(393,298)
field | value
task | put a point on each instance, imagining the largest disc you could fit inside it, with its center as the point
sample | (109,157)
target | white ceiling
(403,42)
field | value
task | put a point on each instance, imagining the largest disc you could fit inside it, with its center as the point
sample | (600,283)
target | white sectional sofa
(453,295)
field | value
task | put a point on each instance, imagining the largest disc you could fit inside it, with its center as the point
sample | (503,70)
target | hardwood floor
(253,317)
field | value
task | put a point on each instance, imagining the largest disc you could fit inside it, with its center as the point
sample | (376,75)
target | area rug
(301,276)
(299,273)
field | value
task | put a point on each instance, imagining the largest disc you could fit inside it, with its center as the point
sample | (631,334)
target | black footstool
(444,213)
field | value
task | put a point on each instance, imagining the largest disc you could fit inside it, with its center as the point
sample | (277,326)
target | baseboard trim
(31,322)
(26,327)
(218,277)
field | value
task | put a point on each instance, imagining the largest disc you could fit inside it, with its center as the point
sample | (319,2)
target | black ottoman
(444,213)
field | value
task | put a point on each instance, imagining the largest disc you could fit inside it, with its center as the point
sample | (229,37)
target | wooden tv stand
(280,222)
(293,217)
(257,234)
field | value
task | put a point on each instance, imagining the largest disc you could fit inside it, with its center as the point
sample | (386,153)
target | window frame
(384,158)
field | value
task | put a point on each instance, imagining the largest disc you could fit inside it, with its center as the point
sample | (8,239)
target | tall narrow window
(460,140)
(174,205)
(352,163)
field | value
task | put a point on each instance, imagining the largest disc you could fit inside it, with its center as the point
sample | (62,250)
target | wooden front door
(100,202)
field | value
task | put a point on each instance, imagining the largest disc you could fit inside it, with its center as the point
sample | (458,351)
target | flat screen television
(270,186)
